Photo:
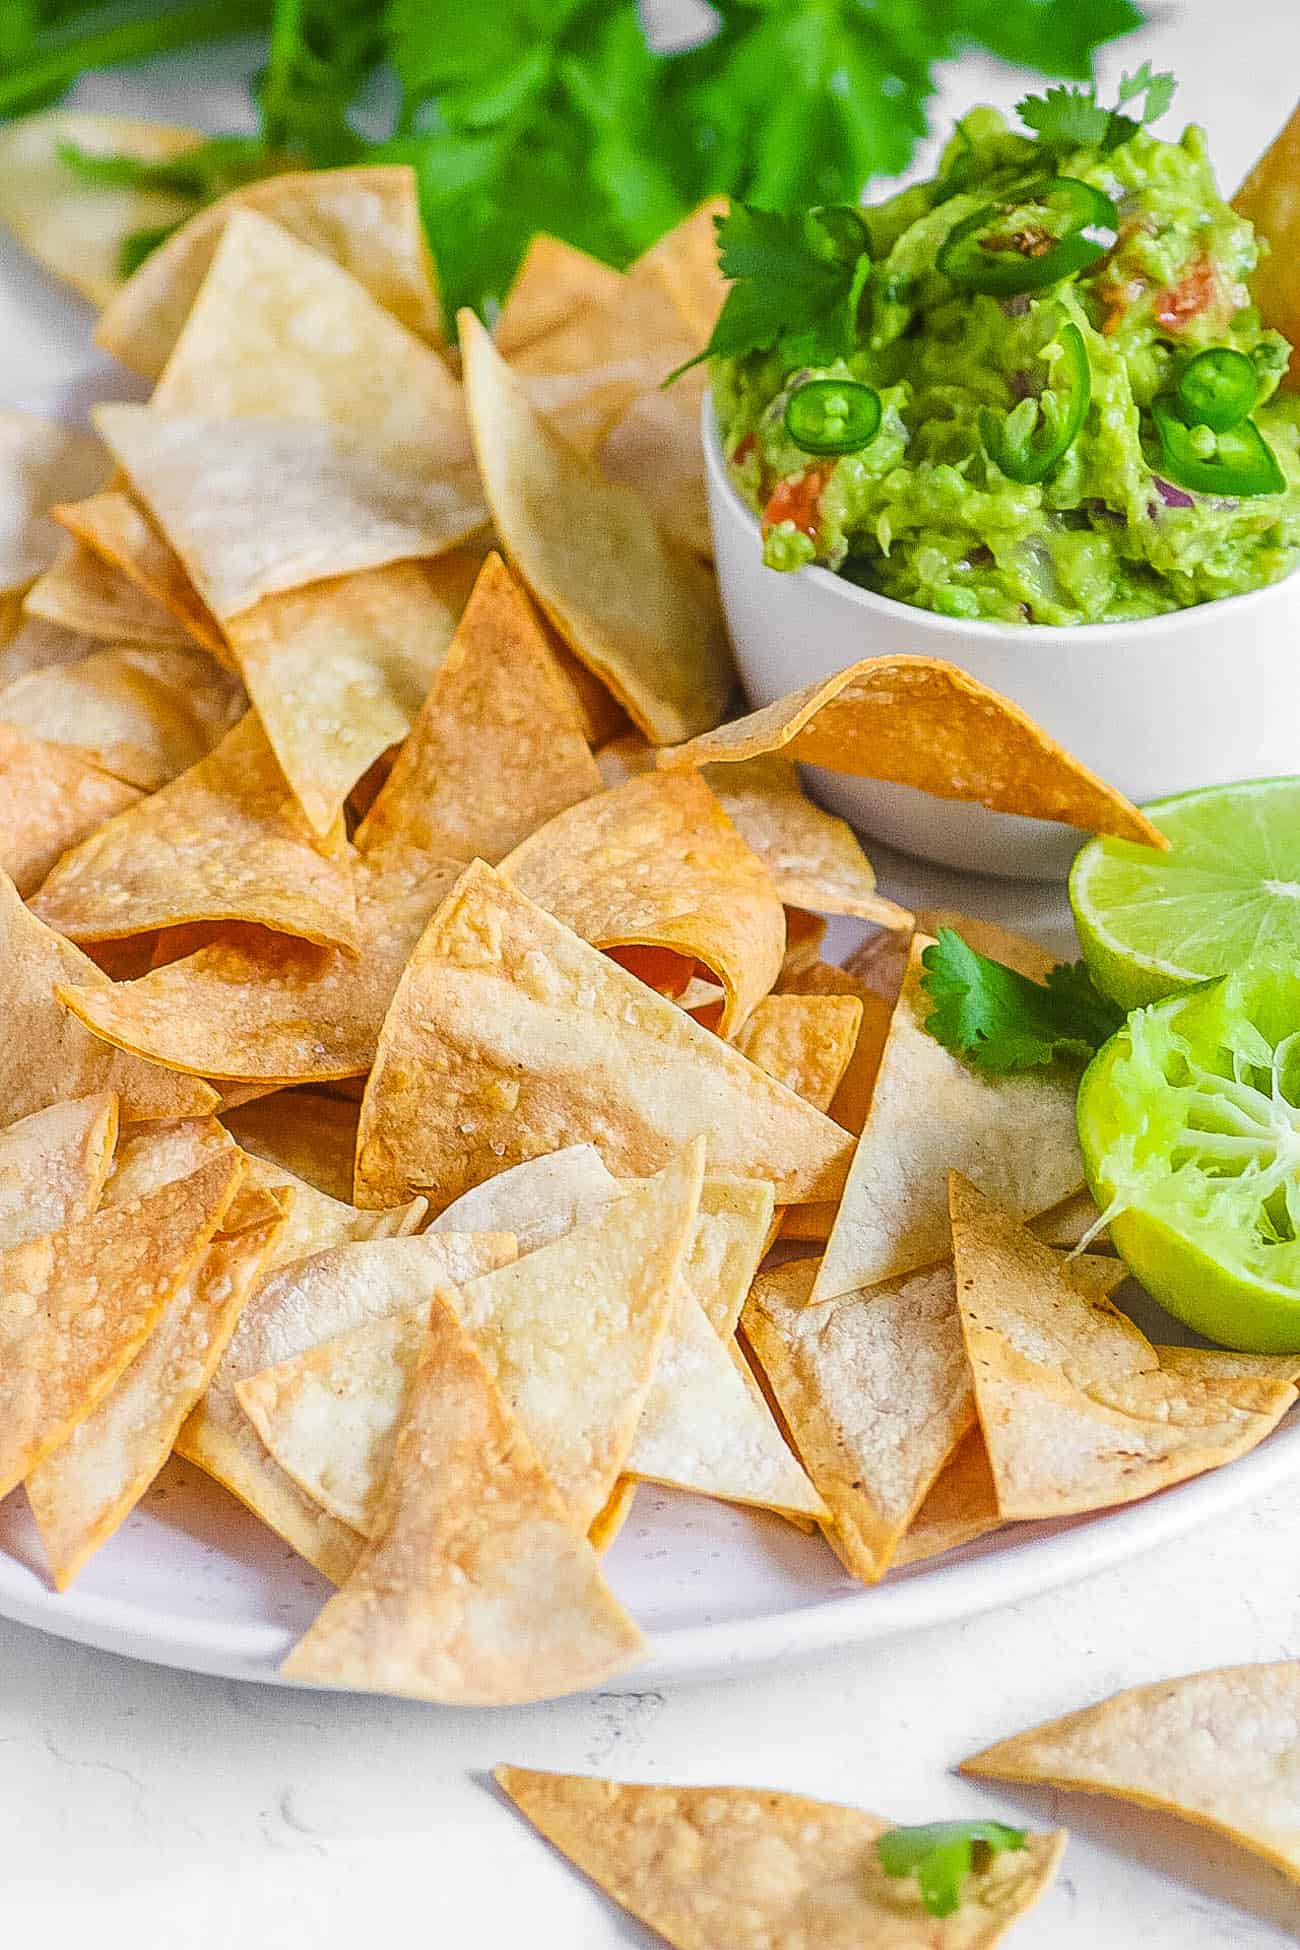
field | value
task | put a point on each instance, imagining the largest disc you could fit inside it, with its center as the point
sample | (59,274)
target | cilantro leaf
(999,1021)
(941,1854)
(1072,118)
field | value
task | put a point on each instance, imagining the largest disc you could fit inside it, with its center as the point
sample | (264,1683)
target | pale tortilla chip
(76,1307)
(510,1037)
(153,1155)
(1270,199)
(754,1869)
(224,841)
(918,721)
(1015,1136)
(685,264)
(644,619)
(51,798)
(961,1506)
(474,1589)
(554,281)
(1076,1410)
(121,534)
(656,863)
(39,645)
(497,748)
(40,463)
(143,715)
(90,596)
(317,1223)
(537,1201)
(367,219)
(46,1056)
(82,1492)
(1216,1748)
(654,448)
(804,1041)
(310,1134)
(729,1241)
(53,1164)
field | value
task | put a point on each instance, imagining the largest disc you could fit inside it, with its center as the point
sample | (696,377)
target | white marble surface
(141,1807)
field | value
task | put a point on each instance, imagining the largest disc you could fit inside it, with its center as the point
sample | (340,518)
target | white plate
(192,1580)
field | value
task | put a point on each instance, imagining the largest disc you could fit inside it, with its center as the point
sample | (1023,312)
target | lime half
(1189,1119)
(1228,889)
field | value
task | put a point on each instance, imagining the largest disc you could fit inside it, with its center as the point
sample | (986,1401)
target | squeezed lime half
(1189,1119)
(1227,890)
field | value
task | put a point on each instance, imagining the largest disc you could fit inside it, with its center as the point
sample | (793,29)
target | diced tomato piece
(1196,291)
(798,500)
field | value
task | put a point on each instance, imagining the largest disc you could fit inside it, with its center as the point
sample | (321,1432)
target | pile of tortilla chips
(413,1021)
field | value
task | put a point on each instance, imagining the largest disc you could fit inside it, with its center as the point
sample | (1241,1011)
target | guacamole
(1020,428)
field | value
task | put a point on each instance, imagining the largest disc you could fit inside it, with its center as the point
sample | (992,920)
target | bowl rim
(1287,588)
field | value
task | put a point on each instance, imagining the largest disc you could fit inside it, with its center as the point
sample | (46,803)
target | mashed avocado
(1122,522)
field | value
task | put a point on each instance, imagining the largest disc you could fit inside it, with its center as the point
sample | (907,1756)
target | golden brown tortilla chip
(40,463)
(1221,1361)
(615,1514)
(988,938)
(53,1164)
(755,1869)
(852,1099)
(1015,1136)
(961,1506)
(310,1134)
(1216,1748)
(510,1037)
(150,1156)
(46,1057)
(51,798)
(656,863)
(474,1589)
(918,721)
(554,281)
(121,534)
(685,264)
(83,1491)
(224,841)
(87,595)
(642,617)
(804,1041)
(39,645)
(1270,199)
(76,1306)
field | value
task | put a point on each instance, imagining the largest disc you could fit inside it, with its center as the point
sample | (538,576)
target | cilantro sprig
(1000,1021)
(942,1854)
(1073,118)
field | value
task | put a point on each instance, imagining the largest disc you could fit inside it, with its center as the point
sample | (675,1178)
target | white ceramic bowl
(1200,697)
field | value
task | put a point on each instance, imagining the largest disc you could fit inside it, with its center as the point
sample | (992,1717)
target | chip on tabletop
(1015,1136)
(805,1041)
(509,1037)
(656,863)
(1270,200)
(754,1868)
(1216,1748)
(51,798)
(40,463)
(83,593)
(53,1164)
(474,1589)
(642,617)
(921,722)
(76,1306)
(86,1488)
(224,841)
(114,527)
(310,1134)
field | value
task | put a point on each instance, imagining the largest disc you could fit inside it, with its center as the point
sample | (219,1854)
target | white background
(146,1808)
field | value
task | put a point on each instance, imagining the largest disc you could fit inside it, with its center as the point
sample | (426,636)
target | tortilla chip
(961,1506)
(1215,1748)
(657,863)
(497,749)
(82,1492)
(852,1099)
(317,1223)
(601,713)
(1070,1223)
(749,1867)
(76,1307)
(987,938)
(224,841)
(53,1164)
(537,1201)
(153,1155)
(312,1135)
(1077,1412)
(38,645)
(615,1514)
(1015,1136)
(685,263)
(1270,199)
(918,721)
(553,282)
(729,1241)
(305,1301)
(47,1056)
(119,531)
(510,1037)
(804,935)
(143,715)
(40,463)
(474,1589)
(50,799)
(90,596)
(654,447)
(644,619)
(804,1041)
(367,219)
(1216,1362)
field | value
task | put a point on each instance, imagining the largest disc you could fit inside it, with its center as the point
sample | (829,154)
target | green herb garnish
(1072,118)
(941,1854)
(999,1021)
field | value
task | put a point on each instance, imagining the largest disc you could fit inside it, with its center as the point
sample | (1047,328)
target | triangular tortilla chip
(1219,1362)
(729,1241)
(1269,201)
(1216,1748)
(51,798)
(537,1201)
(509,1037)
(962,1505)
(644,619)
(497,749)
(224,841)
(150,1156)
(82,1492)
(119,531)
(53,1164)
(475,1589)
(805,1041)
(90,596)
(988,938)
(656,863)
(1015,1136)
(143,715)
(553,282)
(918,721)
(312,1135)
(706,1866)
(367,219)
(654,448)
(336,508)
(685,263)
(352,1277)
(40,463)
(46,1056)
(76,1307)
(852,1098)
(1076,1410)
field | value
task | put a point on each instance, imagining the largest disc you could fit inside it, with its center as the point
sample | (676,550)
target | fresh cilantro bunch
(1072,118)
(941,1854)
(999,1021)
